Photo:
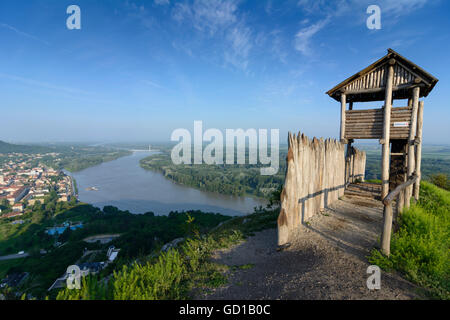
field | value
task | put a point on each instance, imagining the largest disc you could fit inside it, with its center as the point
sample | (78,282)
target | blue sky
(138,69)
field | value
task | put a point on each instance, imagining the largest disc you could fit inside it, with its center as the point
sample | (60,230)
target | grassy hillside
(421,247)
(176,273)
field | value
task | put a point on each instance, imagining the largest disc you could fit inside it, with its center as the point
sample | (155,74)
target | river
(124,184)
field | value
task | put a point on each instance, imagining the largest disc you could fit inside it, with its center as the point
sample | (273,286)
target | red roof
(11,215)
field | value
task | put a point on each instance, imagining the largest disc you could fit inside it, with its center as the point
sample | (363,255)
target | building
(17,195)
(18,207)
(13,280)
(112,253)
(85,268)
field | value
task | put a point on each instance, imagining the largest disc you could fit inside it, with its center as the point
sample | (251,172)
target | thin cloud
(402,7)
(153,84)
(207,15)
(304,36)
(219,19)
(21,33)
(162,2)
(331,10)
(41,84)
(336,8)
(240,40)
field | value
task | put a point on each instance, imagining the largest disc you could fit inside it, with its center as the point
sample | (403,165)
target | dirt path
(327,260)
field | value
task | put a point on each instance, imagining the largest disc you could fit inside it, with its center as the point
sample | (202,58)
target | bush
(441,180)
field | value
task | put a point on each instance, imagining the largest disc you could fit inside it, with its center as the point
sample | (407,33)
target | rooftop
(369,83)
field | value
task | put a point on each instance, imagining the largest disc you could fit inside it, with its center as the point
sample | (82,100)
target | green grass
(421,248)
(377,181)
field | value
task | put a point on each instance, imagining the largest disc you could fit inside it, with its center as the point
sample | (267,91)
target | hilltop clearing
(326,260)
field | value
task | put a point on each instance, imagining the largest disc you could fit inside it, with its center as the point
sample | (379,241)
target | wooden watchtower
(399,129)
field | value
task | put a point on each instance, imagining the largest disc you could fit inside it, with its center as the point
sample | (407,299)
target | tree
(64,237)
(441,180)
(4,203)
(275,197)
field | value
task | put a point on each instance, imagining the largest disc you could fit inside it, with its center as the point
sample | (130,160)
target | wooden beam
(400,202)
(419,150)
(411,147)
(393,194)
(387,228)
(386,133)
(343,107)
(377,90)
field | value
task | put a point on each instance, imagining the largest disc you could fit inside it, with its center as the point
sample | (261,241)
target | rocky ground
(327,259)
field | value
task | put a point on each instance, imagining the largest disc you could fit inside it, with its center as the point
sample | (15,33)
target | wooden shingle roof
(369,83)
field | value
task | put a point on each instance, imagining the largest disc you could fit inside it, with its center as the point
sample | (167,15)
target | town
(25,181)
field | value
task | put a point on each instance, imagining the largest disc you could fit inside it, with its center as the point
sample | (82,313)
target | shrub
(441,180)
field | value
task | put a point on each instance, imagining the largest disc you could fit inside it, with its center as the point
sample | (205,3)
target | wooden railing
(399,193)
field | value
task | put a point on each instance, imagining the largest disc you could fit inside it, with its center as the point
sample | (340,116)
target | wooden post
(419,150)
(343,106)
(411,145)
(387,201)
(387,228)
(348,163)
(387,131)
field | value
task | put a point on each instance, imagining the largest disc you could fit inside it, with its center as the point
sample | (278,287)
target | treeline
(15,148)
(81,161)
(237,180)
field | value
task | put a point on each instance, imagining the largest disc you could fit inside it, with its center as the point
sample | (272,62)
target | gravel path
(327,260)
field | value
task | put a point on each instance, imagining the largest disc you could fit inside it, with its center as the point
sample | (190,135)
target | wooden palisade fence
(316,175)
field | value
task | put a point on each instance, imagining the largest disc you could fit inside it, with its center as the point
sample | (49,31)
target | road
(14,256)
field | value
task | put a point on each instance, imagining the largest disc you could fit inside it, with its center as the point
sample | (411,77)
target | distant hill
(11,148)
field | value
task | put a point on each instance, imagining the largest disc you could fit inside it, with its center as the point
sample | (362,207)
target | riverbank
(123,183)
(235,180)
(88,161)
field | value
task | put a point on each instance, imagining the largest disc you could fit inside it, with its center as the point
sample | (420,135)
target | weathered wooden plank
(343,107)
(387,228)
(411,147)
(386,131)
(419,150)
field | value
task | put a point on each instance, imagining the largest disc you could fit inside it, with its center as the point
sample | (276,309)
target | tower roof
(369,83)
